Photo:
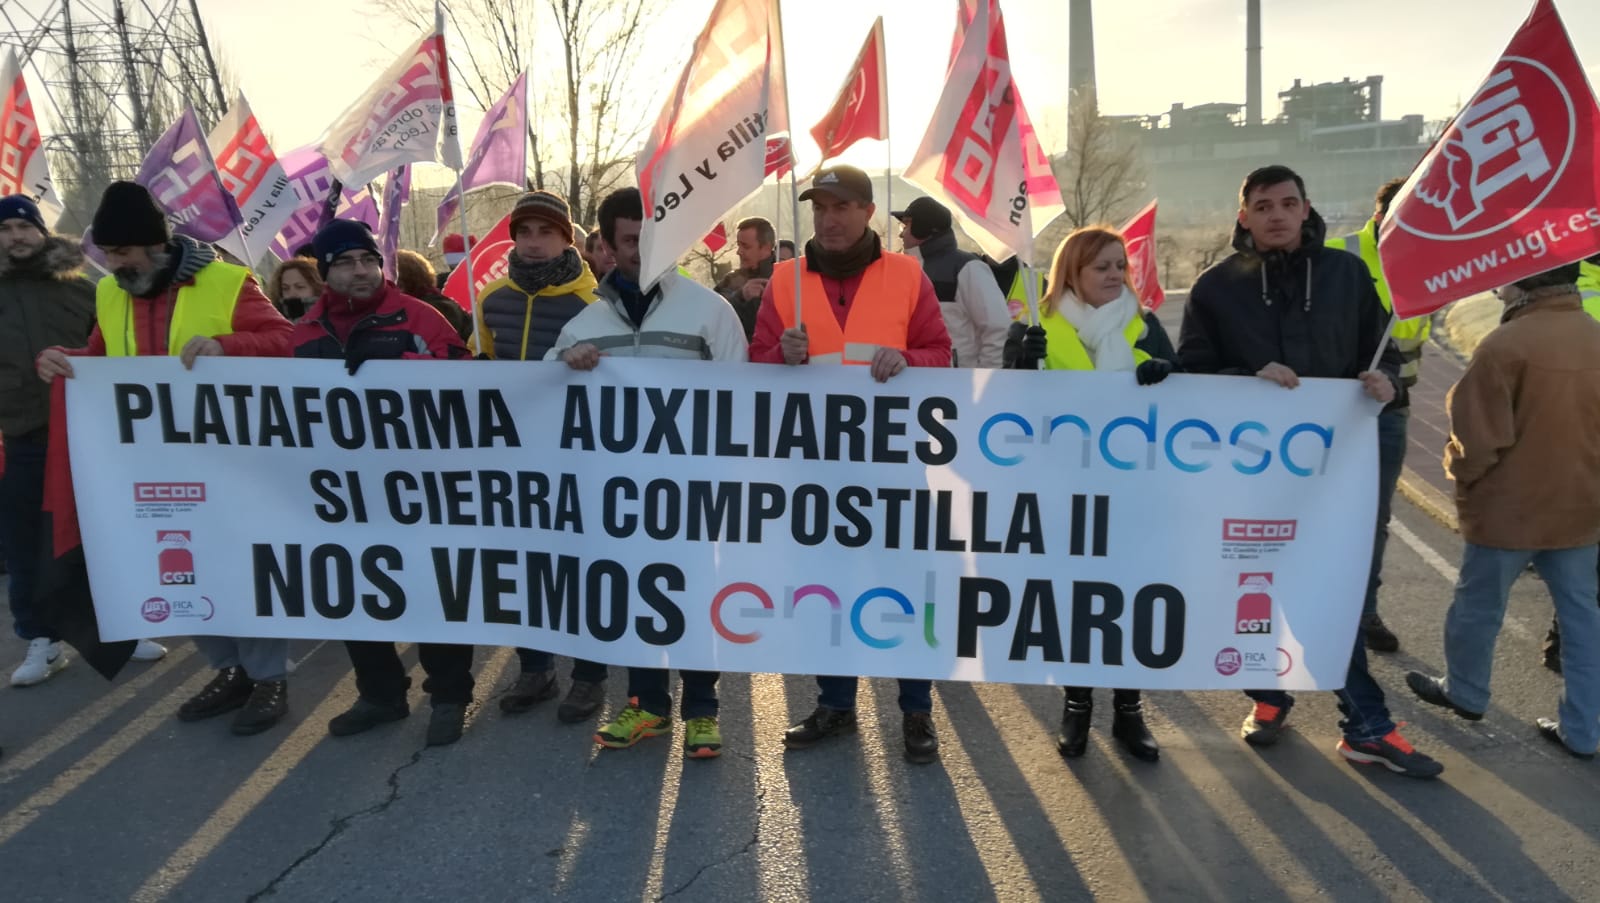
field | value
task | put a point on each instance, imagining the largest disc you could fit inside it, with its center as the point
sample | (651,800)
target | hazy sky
(302,61)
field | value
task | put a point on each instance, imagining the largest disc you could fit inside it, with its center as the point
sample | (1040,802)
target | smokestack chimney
(1252,62)
(1080,52)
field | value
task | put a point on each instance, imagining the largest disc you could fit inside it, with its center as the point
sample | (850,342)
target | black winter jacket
(44,302)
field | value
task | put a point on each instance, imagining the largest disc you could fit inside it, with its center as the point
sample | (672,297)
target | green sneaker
(701,739)
(630,726)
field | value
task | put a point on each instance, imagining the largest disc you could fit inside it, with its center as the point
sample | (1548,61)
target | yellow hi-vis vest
(1065,351)
(1589,287)
(1409,335)
(1017,297)
(204,308)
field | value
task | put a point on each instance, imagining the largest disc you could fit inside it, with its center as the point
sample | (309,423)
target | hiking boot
(1393,753)
(819,725)
(531,688)
(584,698)
(1377,635)
(268,702)
(922,744)
(446,723)
(1551,730)
(228,690)
(366,715)
(1431,691)
(1127,725)
(630,726)
(1265,724)
(701,738)
(44,658)
(1073,740)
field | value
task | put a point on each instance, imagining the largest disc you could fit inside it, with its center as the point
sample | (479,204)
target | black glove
(1033,347)
(353,360)
(1153,371)
(1024,347)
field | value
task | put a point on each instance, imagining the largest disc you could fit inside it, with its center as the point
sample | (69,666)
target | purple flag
(396,191)
(181,174)
(499,152)
(311,179)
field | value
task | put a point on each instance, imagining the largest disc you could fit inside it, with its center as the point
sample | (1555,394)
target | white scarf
(1100,328)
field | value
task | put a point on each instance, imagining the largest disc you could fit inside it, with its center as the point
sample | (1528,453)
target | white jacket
(978,319)
(685,320)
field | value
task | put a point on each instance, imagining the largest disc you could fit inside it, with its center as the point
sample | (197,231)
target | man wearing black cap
(362,317)
(45,300)
(170,295)
(970,299)
(860,305)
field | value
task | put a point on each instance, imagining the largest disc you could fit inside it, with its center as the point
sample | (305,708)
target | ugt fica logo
(1254,614)
(175,561)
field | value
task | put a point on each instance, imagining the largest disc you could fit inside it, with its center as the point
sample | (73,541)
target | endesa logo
(175,561)
(1254,613)
(157,609)
(168,493)
(1138,443)
(885,604)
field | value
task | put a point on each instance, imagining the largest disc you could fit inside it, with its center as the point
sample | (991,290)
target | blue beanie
(20,206)
(339,236)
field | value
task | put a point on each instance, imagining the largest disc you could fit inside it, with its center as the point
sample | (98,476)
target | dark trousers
(21,526)
(1392,427)
(653,688)
(533,661)
(1366,712)
(1119,698)
(381,678)
(839,693)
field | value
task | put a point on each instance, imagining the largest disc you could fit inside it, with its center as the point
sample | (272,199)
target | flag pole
(794,201)
(1384,342)
(888,147)
(466,240)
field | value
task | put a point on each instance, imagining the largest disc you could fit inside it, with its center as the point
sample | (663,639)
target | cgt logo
(1254,614)
(168,493)
(175,561)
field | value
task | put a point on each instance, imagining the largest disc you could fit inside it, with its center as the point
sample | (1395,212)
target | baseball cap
(846,183)
(928,217)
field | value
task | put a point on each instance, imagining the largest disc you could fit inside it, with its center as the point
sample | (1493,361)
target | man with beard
(45,300)
(170,295)
(360,317)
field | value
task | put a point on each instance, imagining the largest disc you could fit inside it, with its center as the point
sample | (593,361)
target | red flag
(1139,235)
(780,156)
(862,108)
(717,238)
(488,264)
(1510,190)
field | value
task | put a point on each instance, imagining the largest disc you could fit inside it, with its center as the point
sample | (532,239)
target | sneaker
(531,688)
(701,738)
(1551,730)
(227,691)
(1393,753)
(584,698)
(1264,724)
(149,651)
(1377,635)
(922,743)
(632,725)
(267,704)
(446,723)
(45,657)
(1431,691)
(820,725)
(366,715)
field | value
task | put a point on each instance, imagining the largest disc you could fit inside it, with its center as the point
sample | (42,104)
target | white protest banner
(1060,528)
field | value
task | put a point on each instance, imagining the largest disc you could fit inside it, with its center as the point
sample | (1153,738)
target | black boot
(1074,736)
(1127,725)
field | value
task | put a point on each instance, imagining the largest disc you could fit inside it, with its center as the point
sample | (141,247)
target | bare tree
(1101,174)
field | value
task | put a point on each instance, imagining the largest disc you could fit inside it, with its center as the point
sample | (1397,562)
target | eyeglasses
(361,262)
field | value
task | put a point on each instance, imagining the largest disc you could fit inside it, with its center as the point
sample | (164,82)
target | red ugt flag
(1140,237)
(1510,190)
(862,108)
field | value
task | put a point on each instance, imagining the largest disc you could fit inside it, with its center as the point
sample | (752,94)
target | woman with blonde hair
(1091,319)
(294,287)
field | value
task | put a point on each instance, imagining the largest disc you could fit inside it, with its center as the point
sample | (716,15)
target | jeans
(1473,624)
(1366,713)
(839,693)
(381,678)
(1391,460)
(533,661)
(21,531)
(261,659)
(653,688)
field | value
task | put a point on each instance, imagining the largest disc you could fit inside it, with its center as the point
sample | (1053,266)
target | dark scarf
(844,264)
(535,277)
(635,300)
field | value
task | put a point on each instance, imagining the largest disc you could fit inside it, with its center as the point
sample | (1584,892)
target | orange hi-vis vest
(880,317)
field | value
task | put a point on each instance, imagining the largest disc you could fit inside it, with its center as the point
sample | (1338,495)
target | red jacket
(927,340)
(391,324)
(258,329)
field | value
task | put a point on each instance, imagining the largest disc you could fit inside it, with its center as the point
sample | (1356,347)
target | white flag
(708,148)
(252,174)
(24,168)
(403,118)
(980,154)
